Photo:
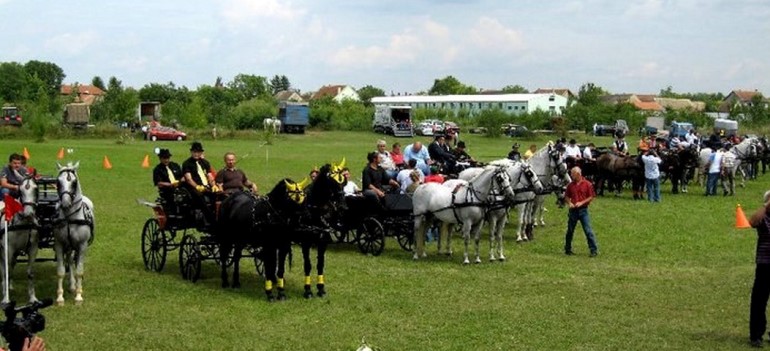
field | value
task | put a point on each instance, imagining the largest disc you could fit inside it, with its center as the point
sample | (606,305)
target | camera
(15,330)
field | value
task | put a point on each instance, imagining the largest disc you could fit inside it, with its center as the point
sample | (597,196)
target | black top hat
(164,153)
(196,147)
(461,144)
(572,141)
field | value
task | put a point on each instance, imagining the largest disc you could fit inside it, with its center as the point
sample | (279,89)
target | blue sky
(633,46)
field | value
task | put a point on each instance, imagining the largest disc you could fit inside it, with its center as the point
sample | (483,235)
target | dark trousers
(759,295)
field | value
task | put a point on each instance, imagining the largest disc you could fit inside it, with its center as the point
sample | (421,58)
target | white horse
(497,213)
(272,124)
(22,236)
(464,205)
(551,169)
(73,232)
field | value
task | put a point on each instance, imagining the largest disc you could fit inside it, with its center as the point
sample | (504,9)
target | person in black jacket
(761,290)
(439,152)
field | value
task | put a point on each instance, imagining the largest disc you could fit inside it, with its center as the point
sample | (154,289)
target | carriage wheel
(406,239)
(370,237)
(190,258)
(154,248)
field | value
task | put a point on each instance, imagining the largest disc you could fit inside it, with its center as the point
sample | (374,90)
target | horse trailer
(393,120)
(294,116)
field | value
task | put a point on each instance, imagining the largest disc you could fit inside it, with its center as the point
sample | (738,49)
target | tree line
(245,100)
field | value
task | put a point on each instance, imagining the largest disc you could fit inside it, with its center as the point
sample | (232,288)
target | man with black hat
(514,155)
(198,178)
(166,176)
(438,151)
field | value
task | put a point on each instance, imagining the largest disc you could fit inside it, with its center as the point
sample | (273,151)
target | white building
(510,103)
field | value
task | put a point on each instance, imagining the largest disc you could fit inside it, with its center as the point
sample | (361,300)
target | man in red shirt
(579,194)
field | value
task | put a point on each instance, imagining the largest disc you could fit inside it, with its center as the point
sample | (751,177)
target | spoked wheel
(154,248)
(370,237)
(406,238)
(190,258)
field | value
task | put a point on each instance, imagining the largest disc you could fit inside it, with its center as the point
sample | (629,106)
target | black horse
(311,226)
(679,166)
(248,220)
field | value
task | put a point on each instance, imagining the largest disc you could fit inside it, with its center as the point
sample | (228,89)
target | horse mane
(323,187)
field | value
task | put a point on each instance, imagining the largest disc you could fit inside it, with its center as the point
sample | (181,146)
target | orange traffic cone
(26,153)
(106,163)
(60,155)
(740,219)
(146,161)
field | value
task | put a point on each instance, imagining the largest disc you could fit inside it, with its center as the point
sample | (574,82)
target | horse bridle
(76,199)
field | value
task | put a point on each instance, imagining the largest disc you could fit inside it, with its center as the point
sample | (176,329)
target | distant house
(510,103)
(87,94)
(288,96)
(739,98)
(558,91)
(645,103)
(672,104)
(337,93)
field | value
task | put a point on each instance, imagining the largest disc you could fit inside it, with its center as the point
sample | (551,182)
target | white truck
(725,127)
(393,120)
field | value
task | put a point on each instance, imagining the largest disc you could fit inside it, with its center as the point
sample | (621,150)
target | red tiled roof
(648,106)
(745,95)
(66,89)
(328,90)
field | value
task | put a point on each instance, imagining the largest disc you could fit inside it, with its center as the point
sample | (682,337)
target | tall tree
(368,92)
(279,83)
(515,89)
(449,85)
(49,73)
(99,83)
(14,85)
(248,86)
(589,94)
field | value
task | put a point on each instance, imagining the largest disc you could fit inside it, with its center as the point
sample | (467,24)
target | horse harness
(77,207)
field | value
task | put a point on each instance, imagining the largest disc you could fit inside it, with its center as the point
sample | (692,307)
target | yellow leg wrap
(268,285)
(321,279)
(280,283)
(307,280)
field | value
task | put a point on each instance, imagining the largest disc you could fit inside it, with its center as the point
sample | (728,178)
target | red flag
(11,207)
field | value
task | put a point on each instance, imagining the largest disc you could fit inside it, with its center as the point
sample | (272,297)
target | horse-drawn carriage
(174,219)
(367,222)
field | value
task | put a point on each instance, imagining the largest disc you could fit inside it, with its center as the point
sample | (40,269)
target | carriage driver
(166,176)
(11,176)
(231,179)
(198,179)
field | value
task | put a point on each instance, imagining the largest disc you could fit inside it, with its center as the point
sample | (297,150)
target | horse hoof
(307,294)
(466,262)
(478,260)
(424,255)
(502,258)
(270,298)
(78,302)
(321,293)
(281,297)
(415,257)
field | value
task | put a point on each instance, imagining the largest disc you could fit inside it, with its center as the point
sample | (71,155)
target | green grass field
(671,276)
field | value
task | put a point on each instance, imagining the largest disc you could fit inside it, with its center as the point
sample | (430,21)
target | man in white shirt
(588,152)
(386,162)
(404,178)
(652,175)
(714,167)
(572,150)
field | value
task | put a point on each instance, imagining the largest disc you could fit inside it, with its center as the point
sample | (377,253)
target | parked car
(514,130)
(478,130)
(165,133)
(429,127)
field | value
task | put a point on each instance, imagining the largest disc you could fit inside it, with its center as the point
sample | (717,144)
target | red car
(165,133)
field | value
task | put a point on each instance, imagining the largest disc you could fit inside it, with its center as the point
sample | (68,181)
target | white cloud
(494,38)
(243,11)
(71,43)
(647,70)
(644,9)
(429,41)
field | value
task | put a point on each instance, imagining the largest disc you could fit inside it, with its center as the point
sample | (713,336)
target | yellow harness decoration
(321,279)
(280,283)
(268,285)
(202,174)
(336,171)
(296,191)
(171,177)
(307,280)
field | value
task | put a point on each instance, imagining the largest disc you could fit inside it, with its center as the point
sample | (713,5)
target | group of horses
(72,229)
(290,213)
(485,195)
(680,167)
